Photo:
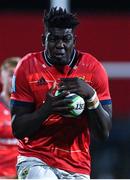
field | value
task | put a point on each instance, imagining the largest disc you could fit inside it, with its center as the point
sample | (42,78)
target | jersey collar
(47,59)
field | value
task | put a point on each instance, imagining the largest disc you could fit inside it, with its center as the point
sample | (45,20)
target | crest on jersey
(13,88)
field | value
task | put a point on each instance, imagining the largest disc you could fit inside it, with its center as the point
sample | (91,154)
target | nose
(60,44)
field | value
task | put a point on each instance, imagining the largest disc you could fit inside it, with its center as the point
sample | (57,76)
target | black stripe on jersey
(21,103)
(106,102)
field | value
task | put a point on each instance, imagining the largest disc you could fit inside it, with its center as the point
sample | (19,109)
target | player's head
(59,39)
(7,69)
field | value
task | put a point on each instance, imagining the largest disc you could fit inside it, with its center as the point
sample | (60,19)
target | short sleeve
(101,82)
(20,87)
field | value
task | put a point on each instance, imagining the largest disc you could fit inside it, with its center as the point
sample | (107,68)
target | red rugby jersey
(8,144)
(60,142)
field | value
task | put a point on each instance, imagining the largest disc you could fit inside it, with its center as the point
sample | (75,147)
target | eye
(52,38)
(67,38)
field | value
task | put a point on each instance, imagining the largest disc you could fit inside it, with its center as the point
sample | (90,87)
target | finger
(68,79)
(68,88)
(76,91)
(62,94)
(63,102)
(62,110)
(68,83)
(63,88)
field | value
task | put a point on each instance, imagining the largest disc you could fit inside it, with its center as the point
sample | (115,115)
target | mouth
(59,54)
(59,58)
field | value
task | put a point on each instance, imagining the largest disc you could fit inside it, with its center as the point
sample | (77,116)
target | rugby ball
(78,104)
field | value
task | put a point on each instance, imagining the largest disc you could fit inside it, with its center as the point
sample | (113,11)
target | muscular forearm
(26,121)
(100,122)
(27,124)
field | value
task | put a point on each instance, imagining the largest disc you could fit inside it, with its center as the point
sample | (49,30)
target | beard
(59,62)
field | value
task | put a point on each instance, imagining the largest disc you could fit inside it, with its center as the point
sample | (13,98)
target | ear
(43,40)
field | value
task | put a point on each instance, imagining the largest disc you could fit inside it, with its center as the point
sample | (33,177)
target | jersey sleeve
(20,86)
(101,83)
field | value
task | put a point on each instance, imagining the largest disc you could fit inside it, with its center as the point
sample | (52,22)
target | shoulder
(90,61)
(30,57)
(28,61)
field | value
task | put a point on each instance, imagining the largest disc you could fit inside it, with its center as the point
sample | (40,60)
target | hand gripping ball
(78,104)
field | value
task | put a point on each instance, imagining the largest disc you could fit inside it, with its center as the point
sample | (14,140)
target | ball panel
(78,104)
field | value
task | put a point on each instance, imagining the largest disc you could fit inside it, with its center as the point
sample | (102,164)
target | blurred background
(104,31)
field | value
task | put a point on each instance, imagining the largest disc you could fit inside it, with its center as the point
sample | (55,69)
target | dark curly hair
(60,18)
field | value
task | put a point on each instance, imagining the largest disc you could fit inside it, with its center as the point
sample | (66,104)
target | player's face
(59,44)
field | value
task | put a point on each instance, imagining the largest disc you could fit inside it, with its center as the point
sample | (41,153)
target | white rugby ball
(78,104)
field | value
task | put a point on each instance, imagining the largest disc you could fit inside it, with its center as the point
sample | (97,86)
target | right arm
(26,121)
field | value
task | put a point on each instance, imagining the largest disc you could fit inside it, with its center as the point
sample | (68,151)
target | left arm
(99,115)
(100,121)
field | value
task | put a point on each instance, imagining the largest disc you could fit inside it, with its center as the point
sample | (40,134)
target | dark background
(82,5)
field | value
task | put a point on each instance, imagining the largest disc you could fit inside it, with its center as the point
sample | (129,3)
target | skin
(59,45)
(99,119)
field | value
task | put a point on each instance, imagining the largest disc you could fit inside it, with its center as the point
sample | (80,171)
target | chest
(42,79)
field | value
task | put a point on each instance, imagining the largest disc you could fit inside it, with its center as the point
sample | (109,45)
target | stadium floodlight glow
(118,70)
(65,4)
